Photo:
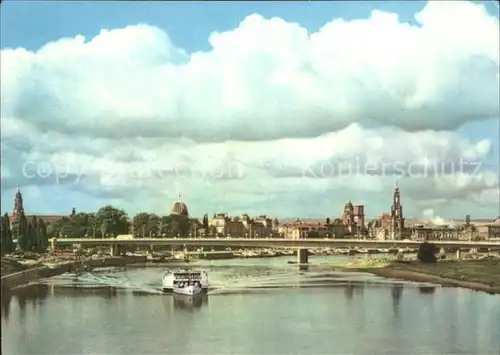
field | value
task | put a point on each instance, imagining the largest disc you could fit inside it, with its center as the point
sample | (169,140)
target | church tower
(397,220)
(18,203)
(348,216)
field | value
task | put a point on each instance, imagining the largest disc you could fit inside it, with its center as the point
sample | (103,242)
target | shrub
(427,253)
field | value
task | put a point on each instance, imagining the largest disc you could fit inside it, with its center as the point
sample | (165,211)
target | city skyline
(284,109)
(428,217)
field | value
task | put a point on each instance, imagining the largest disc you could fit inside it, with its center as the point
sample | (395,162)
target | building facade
(390,226)
(487,232)
(353,218)
(434,233)
(242,226)
(312,229)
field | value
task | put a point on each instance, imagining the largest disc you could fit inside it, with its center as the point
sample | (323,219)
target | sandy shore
(480,275)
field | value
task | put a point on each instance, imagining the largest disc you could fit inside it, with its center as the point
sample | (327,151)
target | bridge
(309,243)
(301,245)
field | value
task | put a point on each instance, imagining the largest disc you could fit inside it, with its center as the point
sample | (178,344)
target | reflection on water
(427,290)
(349,291)
(6,299)
(271,304)
(396,293)
(184,301)
(33,294)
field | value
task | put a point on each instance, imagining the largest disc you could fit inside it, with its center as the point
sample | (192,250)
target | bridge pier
(117,250)
(303,259)
(113,250)
(53,245)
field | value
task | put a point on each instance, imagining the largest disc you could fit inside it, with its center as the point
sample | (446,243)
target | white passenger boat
(186,282)
(187,290)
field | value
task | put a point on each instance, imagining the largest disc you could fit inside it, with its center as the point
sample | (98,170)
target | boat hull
(188,290)
(172,290)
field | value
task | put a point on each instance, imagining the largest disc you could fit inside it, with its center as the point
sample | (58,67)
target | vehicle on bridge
(186,282)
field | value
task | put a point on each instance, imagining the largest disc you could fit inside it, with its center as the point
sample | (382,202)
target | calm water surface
(256,307)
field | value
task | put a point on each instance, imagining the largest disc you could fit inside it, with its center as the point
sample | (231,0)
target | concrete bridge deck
(273,242)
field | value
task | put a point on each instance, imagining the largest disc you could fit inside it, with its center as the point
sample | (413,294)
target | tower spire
(18,202)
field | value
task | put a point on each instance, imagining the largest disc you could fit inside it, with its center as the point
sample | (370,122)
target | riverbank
(43,270)
(479,275)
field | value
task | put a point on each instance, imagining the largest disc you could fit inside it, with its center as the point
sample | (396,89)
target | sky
(288,109)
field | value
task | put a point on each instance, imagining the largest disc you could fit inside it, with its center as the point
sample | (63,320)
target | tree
(148,224)
(43,239)
(33,234)
(68,227)
(7,245)
(112,220)
(165,225)
(205,222)
(327,221)
(19,231)
(30,241)
(175,228)
(34,231)
(36,235)
(427,253)
(104,228)
(161,226)
(180,225)
(74,226)
(312,234)
(153,225)
(140,223)
(85,223)
(51,229)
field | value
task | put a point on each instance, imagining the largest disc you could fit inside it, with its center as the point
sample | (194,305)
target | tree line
(108,221)
(30,234)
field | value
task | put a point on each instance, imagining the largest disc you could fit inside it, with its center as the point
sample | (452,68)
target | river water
(256,306)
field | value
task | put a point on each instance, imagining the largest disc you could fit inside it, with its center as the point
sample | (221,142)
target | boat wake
(243,282)
(295,280)
(89,280)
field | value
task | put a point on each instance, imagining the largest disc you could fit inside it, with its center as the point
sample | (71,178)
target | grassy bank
(480,275)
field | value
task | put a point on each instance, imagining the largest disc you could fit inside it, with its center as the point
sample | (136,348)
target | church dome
(180,208)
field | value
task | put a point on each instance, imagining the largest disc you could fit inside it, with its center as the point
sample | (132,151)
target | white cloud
(429,216)
(268,117)
(237,175)
(265,79)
